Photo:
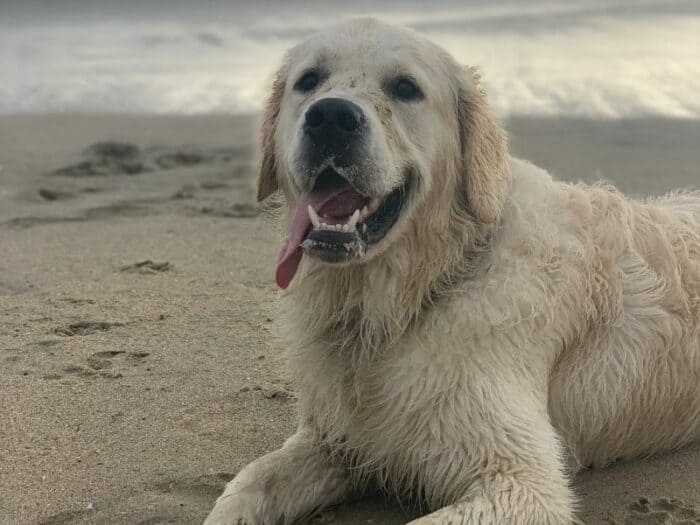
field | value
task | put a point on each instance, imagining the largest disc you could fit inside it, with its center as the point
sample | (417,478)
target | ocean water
(606,59)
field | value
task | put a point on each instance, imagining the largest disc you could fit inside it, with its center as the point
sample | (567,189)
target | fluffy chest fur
(421,416)
(390,416)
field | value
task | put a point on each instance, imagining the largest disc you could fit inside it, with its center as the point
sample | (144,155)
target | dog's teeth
(315,219)
(364,213)
(350,225)
(319,224)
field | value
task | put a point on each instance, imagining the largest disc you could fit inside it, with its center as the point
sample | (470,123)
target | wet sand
(140,367)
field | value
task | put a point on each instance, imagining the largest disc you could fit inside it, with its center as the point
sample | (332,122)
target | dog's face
(364,124)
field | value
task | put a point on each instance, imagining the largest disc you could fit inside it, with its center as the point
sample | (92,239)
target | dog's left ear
(268,182)
(485,170)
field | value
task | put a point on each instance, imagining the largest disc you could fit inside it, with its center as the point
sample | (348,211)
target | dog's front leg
(512,471)
(282,486)
(502,499)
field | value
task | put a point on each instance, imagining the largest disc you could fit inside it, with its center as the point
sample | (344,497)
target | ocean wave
(584,60)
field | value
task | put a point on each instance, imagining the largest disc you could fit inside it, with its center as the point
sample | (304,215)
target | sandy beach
(140,363)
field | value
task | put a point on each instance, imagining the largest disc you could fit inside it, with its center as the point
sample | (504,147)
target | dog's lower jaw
(360,309)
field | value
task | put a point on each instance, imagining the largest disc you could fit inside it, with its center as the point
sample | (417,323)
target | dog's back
(630,385)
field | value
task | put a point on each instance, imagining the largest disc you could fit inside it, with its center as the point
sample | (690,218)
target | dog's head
(370,131)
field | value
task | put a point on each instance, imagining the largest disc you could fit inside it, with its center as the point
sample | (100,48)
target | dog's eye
(405,89)
(307,82)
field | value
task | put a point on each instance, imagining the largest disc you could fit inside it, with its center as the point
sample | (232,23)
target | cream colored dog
(465,332)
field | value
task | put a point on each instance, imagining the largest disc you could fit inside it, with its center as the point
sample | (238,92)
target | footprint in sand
(106,158)
(661,511)
(35,351)
(64,518)
(122,158)
(54,195)
(206,486)
(29,358)
(11,355)
(77,370)
(238,210)
(102,364)
(146,267)
(28,222)
(101,360)
(85,328)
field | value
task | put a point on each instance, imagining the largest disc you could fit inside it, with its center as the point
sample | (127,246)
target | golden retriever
(464,331)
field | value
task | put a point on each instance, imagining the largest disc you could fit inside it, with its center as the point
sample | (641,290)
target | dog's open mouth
(335,223)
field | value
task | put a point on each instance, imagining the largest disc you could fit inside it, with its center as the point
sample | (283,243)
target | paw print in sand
(661,511)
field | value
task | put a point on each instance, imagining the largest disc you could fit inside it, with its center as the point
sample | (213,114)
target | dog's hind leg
(283,486)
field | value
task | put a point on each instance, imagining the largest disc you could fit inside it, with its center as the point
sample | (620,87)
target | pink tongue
(332,202)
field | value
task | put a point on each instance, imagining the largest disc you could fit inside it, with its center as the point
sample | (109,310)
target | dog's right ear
(268,182)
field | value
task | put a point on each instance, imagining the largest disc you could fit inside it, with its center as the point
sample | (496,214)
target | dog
(465,332)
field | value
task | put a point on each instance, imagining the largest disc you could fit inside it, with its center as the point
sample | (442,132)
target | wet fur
(513,330)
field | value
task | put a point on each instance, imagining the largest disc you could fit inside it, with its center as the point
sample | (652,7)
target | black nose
(331,122)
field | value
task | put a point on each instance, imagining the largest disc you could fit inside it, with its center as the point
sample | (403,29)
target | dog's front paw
(233,510)
(428,520)
(453,515)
